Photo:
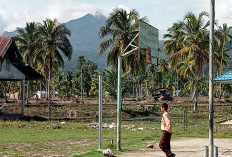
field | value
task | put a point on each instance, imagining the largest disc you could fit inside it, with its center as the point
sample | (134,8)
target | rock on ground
(108,152)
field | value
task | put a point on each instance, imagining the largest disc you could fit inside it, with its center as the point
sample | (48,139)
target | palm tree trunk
(171,84)
(27,93)
(141,89)
(40,88)
(147,92)
(81,86)
(177,78)
(49,87)
(46,89)
(133,89)
(153,81)
(196,90)
(220,95)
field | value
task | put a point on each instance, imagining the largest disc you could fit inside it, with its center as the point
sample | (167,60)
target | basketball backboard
(149,41)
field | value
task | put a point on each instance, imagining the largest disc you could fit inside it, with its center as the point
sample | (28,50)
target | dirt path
(185,147)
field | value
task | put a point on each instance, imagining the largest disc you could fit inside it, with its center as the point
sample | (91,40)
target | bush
(76,100)
(138,98)
(183,93)
(142,108)
(228,109)
(154,108)
(142,98)
(178,109)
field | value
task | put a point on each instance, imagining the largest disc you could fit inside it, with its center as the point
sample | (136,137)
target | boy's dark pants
(165,143)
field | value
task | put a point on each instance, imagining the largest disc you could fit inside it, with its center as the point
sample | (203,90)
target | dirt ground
(185,147)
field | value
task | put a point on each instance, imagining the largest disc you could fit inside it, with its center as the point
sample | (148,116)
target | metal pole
(22,96)
(215,151)
(211,91)
(119,104)
(100,112)
(206,151)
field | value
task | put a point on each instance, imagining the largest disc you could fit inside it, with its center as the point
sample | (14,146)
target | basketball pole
(152,36)
(211,64)
(119,96)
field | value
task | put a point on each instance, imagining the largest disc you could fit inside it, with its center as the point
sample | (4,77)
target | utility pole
(211,64)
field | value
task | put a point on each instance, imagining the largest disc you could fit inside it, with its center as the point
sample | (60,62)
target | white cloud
(160,13)
(53,9)
(124,7)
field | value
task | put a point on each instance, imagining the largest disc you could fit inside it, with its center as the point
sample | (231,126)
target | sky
(161,13)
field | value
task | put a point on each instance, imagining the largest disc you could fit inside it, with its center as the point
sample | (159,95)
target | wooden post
(22,96)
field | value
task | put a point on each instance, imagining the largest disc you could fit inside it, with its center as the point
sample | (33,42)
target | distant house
(12,66)
(15,95)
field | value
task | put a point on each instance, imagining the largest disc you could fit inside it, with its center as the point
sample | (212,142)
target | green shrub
(178,109)
(138,98)
(142,98)
(183,93)
(142,108)
(154,108)
(228,109)
(76,100)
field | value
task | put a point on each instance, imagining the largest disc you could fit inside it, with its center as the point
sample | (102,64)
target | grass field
(22,138)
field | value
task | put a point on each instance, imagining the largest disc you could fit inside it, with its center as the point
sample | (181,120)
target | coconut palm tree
(175,38)
(55,41)
(174,44)
(81,62)
(224,34)
(28,41)
(122,26)
(110,83)
(194,48)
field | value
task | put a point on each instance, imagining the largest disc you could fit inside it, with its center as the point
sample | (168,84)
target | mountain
(84,39)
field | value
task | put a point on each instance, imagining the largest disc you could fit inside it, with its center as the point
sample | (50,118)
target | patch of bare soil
(185,147)
(67,109)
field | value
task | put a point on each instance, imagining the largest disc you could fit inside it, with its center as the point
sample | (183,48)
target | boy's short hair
(165,106)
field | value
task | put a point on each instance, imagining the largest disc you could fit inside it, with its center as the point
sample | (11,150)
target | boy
(166,127)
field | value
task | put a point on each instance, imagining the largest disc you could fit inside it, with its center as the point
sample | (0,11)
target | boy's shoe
(173,155)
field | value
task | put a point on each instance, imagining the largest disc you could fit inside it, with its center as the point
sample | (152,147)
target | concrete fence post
(215,151)
(206,151)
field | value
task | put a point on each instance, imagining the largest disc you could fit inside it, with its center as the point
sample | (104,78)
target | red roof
(4,42)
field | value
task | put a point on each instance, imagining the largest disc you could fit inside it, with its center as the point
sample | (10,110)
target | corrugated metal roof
(4,43)
(227,77)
